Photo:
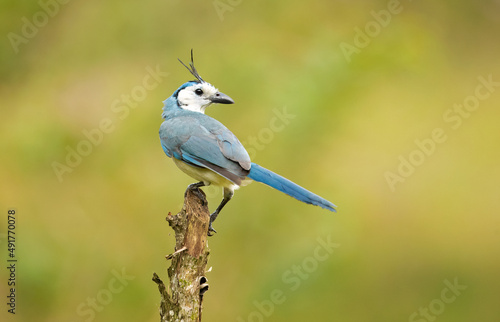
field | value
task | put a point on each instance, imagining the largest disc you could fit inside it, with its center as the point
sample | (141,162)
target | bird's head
(197,95)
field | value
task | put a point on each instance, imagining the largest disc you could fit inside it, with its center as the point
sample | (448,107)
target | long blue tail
(276,181)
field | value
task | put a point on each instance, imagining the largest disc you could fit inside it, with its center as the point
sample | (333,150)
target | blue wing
(202,141)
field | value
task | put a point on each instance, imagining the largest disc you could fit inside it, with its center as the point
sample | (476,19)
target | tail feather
(260,174)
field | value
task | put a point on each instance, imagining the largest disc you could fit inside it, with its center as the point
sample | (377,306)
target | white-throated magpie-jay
(206,150)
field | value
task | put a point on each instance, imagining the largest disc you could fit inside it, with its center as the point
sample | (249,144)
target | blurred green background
(399,246)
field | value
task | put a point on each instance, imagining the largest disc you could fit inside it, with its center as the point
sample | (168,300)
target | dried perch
(183,300)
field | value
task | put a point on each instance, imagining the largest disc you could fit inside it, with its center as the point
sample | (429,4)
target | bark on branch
(183,299)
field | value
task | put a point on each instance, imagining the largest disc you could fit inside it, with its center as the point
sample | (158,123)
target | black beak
(221,98)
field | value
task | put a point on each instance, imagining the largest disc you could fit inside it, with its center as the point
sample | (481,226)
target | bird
(209,152)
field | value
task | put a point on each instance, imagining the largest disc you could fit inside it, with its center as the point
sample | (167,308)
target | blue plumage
(263,175)
(206,150)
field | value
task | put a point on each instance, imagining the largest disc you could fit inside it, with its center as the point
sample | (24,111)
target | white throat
(194,108)
(197,97)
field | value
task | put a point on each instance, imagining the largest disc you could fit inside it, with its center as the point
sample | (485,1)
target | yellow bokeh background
(355,115)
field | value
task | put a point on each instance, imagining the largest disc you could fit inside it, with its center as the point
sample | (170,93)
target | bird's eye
(198,91)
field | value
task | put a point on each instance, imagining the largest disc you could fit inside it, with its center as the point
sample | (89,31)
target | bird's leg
(196,185)
(228,194)
(195,188)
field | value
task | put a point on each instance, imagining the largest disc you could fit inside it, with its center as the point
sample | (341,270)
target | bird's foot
(196,185)
(195,188)
(211,230)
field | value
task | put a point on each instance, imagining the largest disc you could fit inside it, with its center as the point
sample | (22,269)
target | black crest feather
(192,69)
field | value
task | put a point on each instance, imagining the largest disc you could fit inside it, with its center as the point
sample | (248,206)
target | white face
(196,98)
